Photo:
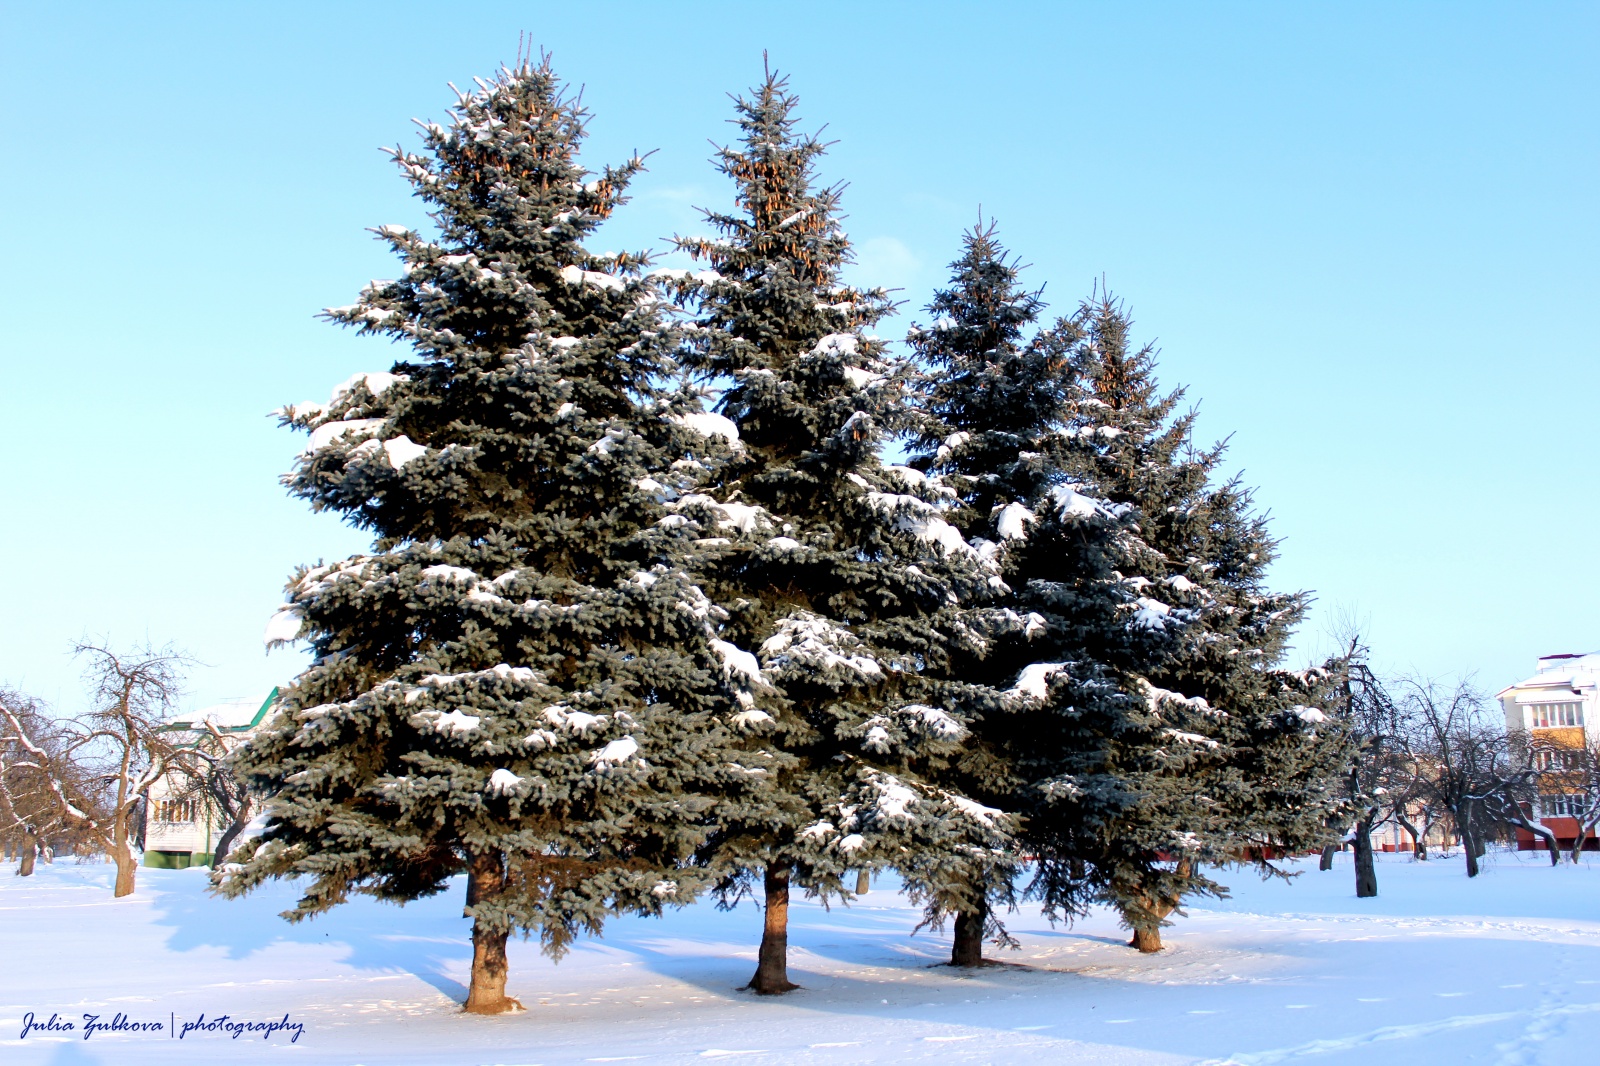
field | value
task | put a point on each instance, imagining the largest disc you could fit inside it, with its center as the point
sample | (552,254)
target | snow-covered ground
(1437,969)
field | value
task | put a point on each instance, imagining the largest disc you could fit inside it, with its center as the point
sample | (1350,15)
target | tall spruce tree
(838,574)
(1062,641)
(517,681)
(1265,748)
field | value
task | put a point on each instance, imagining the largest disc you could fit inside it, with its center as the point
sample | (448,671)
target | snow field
(1437,969)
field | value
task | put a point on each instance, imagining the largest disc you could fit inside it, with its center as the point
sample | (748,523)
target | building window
(1570,806)
(175,811)
(1554,715)
(1571,759)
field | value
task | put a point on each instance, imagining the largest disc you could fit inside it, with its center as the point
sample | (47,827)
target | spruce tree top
(989,389)
(505,295)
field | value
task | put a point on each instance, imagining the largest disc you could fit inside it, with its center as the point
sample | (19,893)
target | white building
(1559,705)
(1564,695)
(181,832)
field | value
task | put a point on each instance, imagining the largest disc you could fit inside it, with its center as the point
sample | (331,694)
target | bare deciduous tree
(1454,756)
(1569,774)
(34,765)
(91,773)
(18,829)
(1414,809)
(1514,799)
(205,771)
(1372,721)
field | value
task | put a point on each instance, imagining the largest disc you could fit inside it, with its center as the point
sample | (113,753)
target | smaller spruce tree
(1061,639)
(1264,748)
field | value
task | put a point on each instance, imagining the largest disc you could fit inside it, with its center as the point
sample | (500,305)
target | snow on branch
(1151,614)
(578,276)
(615,754)
(1156,698)
(1013,520)
(746,518)
(738,663)
(709,424)
(1034,681)
(809,641)
(1070,503)
(919,518)
(283,626)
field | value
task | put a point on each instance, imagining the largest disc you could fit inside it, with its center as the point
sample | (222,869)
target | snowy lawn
(1504,969)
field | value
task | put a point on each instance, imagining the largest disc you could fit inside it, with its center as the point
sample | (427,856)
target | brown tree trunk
(487,993)
(772,965)
(1147,938)
(1366,870)
(225,845)
(127,868)
(121,852)
(122,848)
(30,846)
(1327,857)
(967,950)
(1147,934)
(1418,848)
(1469,845)
(863,882)
(1576,855)
(1549,838)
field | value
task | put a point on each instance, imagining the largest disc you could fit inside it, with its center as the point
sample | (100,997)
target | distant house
(1559,706)
(1392,836)
(181,831)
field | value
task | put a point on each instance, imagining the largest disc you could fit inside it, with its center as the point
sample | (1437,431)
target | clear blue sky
(1364,236)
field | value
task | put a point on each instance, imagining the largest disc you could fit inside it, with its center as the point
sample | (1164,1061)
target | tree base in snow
(967,949)
(503,1005)
(1147,941)
(983,964)
(772,962)
(764,986)
(127,873)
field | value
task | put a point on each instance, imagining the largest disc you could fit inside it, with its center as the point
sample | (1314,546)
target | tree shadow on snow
(1068,934)
(722,965)
(73,1054)
(422,939)
(1425,973)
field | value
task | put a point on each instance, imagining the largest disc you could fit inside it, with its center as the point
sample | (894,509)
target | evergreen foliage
(1264,748)
(1064,635)
(838,573)
(517,680)
(1144,732)
(611,647)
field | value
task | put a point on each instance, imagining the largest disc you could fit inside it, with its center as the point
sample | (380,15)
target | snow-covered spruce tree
(516,681)
(838,575)
(1065,641)
(1266,752)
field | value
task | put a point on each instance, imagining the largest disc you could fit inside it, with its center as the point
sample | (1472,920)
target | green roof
(261,713)
(272,697)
